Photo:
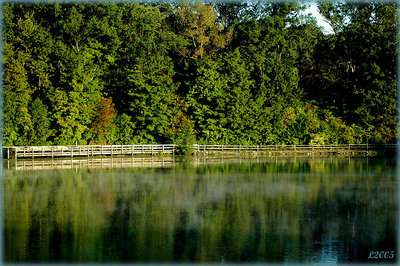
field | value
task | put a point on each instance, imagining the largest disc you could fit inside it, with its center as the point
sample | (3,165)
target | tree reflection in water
(303,210)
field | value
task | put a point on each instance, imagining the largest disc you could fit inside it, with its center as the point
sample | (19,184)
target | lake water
(249,210)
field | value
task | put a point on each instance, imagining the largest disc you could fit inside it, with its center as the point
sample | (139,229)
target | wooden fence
(114,150)
(333,147)
(86,150)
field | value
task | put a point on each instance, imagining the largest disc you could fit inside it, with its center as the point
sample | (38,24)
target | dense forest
(204,72)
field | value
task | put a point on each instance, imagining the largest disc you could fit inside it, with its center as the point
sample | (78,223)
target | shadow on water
(212,210)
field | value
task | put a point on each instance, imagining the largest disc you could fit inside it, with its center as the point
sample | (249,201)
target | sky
(314,11)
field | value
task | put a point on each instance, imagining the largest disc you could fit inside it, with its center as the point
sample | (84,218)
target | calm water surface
(261,210)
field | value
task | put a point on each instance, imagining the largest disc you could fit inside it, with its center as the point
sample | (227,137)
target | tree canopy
(217,73)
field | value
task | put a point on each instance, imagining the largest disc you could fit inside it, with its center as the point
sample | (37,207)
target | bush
(184,139)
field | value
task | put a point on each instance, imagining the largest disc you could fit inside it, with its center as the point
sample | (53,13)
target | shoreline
(119,162)
(24,152)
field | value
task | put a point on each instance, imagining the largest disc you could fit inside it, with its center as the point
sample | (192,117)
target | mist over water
(253,210)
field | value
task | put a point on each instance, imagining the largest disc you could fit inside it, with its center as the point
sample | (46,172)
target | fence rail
(150,149)
(349,147)
(86,150)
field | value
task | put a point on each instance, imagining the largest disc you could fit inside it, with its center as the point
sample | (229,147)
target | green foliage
(248,73)
(184,138)
(124,130)
(41,123)
(206,100)
(357,67)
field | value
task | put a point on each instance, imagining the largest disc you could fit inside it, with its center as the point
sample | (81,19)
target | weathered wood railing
(341,147)
(86,150)
(113,150)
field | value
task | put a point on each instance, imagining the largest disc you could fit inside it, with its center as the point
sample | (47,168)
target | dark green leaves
(225,73)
